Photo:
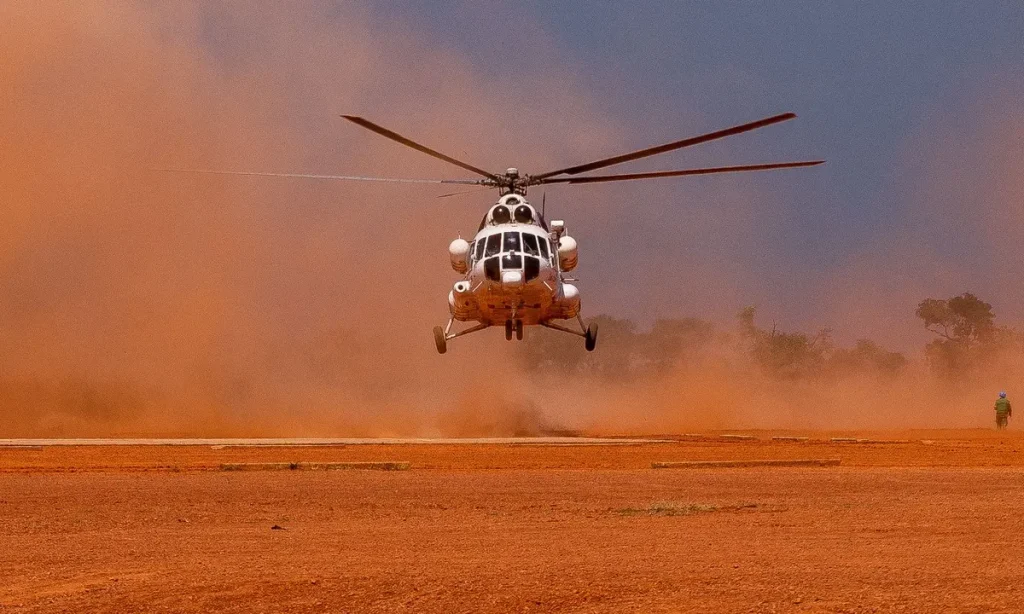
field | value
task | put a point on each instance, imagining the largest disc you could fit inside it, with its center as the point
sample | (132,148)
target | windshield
(512,242)
(512,261)
(493,245)
(530,244)
(519,251)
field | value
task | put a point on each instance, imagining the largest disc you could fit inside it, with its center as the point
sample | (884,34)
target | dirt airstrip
(909,521)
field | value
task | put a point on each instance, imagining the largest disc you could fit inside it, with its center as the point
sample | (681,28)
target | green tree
(622,352)
(866,357)
(784,355)
(672,342)
(966,329)
(562,354)
(964,319)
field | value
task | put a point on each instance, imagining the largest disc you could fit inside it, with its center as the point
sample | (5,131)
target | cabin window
(530,244)
(493,245)
(480,249)
(531,267)
(491,269)
(512,262)
(512,242)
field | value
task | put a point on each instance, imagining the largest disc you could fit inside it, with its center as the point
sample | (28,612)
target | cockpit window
(493,245)
(480,249)
(469,256)
(512,262)
(512,242)
(544,247)
(530,244)
(491,269)
(531,267)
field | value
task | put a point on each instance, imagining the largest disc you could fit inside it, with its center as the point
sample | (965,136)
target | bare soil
(932,525)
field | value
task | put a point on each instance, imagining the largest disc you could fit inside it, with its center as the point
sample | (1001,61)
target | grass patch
(670,508)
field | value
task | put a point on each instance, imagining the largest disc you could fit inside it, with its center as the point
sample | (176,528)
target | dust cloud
(135,302)
(144,302)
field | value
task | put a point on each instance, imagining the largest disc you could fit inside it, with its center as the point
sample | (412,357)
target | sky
(868,81)
(121,286)
(889,94)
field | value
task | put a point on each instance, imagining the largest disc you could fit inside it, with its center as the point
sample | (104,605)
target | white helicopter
(515,267)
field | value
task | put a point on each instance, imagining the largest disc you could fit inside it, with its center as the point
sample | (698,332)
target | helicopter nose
(512,278)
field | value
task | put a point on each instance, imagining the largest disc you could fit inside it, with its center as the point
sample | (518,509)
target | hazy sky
(872,82)
(916,106)
(224,294)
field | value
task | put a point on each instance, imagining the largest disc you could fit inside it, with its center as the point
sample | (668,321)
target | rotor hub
(512,182)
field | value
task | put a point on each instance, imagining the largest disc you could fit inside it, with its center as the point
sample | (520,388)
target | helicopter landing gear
(589,333)
(590,338)
(513,326)
(443,335)
(439,340)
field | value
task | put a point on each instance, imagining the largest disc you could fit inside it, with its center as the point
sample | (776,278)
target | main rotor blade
(683,173)
(653,151)
(461,192)
(394,136)
(310,176)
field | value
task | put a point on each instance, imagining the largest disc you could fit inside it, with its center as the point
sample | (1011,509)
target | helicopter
(515,268)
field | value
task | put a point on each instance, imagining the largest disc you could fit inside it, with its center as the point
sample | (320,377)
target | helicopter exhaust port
(461,302)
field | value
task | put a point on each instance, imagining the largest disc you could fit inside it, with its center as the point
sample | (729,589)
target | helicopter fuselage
(513,274)
(514,269)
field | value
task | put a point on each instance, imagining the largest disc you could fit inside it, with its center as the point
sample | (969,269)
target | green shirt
(1002,407)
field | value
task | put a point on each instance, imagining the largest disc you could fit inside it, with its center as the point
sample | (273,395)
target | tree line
(967,338)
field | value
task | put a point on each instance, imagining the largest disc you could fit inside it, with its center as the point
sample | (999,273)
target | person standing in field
(1003,411)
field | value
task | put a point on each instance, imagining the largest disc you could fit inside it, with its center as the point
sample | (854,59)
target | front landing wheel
(591,337)
(439,340)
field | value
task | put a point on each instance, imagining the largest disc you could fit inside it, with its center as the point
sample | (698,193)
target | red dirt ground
(915,527)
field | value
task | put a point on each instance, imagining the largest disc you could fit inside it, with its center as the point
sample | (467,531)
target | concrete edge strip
(859,440)
(315,442)
(302,466)
(821,462)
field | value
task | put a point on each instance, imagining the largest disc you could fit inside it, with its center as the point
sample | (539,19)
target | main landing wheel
(508,330)
(439,340)
(519,330)
(591,337)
